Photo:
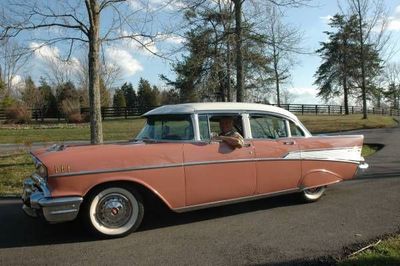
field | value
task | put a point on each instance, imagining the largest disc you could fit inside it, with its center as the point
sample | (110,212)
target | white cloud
(139,44)
(305,95)
(51,55)
(173,39)
(16,80)
(124,60)
(153,5)
(394,21)
(326,19)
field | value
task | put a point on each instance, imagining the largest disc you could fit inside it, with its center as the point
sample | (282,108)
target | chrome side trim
(237,200)
(160,166)
(115,170)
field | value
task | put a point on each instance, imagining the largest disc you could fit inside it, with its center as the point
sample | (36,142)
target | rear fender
(319,177)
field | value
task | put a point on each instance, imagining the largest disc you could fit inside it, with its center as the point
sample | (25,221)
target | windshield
(167,127)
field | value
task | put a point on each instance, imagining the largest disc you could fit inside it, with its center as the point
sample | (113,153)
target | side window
(168,127)
(267,127)
(210,124)
(295,130)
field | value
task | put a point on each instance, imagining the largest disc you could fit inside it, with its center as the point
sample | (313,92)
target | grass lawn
(121,129)
(14,168)
(386,252)
(325,123)
(124,129)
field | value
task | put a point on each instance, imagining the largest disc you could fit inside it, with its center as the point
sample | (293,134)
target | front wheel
(113,211)
(313,194)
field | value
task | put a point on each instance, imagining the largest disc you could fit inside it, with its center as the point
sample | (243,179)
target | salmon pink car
(176,159)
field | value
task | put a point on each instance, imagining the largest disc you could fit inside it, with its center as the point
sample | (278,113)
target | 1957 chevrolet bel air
(176,159)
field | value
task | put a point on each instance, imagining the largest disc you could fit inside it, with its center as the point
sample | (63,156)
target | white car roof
(189,108)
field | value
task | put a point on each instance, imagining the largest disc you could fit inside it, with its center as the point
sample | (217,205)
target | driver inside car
(228,133)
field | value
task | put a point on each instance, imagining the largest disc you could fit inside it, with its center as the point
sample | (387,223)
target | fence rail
(128,112)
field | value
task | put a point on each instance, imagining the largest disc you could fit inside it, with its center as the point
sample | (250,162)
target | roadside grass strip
(385,252)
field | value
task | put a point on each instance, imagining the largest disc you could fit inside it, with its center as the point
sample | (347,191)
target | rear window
(267,127)
(167,127)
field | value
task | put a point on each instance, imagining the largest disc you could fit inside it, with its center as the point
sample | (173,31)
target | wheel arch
(319,177)
(146,191)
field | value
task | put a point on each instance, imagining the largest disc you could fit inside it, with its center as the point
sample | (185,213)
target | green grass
(124,129)
(13,169)
(121,129)
(385,253)
(325,123)
(369,149)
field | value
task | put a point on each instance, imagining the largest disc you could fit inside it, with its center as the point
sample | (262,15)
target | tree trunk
(362,59)
(96,129)
(239,56)
(346,96)
(228,72)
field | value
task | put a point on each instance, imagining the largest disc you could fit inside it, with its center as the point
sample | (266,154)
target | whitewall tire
(313,194)
(113,211)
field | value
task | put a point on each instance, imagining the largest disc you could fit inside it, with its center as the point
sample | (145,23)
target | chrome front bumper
(37,201)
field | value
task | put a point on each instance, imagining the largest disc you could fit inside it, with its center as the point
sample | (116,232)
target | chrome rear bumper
(37,201)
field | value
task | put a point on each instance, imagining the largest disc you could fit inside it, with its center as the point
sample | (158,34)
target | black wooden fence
(299,109)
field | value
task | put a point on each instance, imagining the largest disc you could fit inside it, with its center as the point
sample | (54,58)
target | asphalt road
(278,230)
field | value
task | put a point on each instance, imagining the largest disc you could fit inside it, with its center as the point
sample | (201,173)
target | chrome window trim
(196,125)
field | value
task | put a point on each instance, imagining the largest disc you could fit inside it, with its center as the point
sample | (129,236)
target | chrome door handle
(288,143)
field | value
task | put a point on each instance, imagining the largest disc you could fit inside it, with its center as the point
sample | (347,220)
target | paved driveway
(271,231)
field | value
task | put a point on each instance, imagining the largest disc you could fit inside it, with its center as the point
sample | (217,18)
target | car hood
(79,159)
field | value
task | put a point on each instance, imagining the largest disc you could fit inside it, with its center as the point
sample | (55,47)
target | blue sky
(136,63)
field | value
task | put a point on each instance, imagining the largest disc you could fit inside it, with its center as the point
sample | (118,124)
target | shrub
(18,113)
(72,111)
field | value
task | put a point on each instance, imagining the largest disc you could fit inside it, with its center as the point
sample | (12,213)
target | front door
(214,171)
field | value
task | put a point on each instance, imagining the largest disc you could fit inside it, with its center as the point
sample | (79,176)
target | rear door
(273,143)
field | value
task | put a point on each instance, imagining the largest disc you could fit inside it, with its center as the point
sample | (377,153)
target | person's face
(226,124)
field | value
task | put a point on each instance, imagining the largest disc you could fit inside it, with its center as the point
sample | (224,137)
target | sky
(136,62)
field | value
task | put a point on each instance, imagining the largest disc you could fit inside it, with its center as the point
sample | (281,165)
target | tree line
(236,50)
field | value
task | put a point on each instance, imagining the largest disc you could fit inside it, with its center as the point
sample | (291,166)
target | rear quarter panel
(328,159)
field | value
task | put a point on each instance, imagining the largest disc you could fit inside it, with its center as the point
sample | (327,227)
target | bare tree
(283,43)
(391,79)
(71,22)
(13,58)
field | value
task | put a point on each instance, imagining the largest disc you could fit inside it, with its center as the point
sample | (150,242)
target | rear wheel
(313,194)
(113,211)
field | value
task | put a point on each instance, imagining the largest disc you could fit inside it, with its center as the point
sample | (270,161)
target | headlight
(41,170)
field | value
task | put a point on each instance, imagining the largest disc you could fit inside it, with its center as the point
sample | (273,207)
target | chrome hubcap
(114,210)
(313,190)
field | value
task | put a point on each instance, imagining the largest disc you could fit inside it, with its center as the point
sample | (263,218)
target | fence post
(126,112)
(302,109)
(316,109)
(352,110)
(329,110)
(341,110)
(373,110)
